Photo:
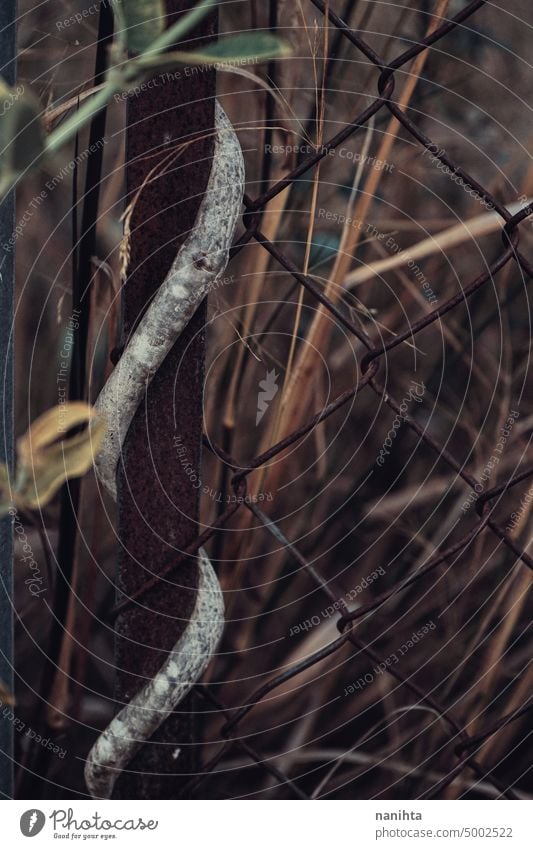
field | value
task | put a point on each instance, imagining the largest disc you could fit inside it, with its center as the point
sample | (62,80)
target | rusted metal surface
(158,507)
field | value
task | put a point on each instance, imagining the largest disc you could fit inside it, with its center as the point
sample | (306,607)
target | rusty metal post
(158,507)
(8,14)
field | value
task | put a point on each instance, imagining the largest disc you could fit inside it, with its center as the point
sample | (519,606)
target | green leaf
(249,50)
(5,93)
(21,131)
(252,47)
(142,20)
(177,31)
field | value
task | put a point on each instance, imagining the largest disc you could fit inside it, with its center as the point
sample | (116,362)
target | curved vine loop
(200,262)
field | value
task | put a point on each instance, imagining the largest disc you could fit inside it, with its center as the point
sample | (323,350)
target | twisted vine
(199,263)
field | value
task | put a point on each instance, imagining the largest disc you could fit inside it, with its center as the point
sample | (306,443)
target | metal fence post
(158,507)
(8,12)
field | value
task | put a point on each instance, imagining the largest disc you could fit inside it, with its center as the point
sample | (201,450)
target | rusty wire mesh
(462,746)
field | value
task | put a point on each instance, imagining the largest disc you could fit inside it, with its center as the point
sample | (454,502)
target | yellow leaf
(47,455)
(4,479)
(5,696)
